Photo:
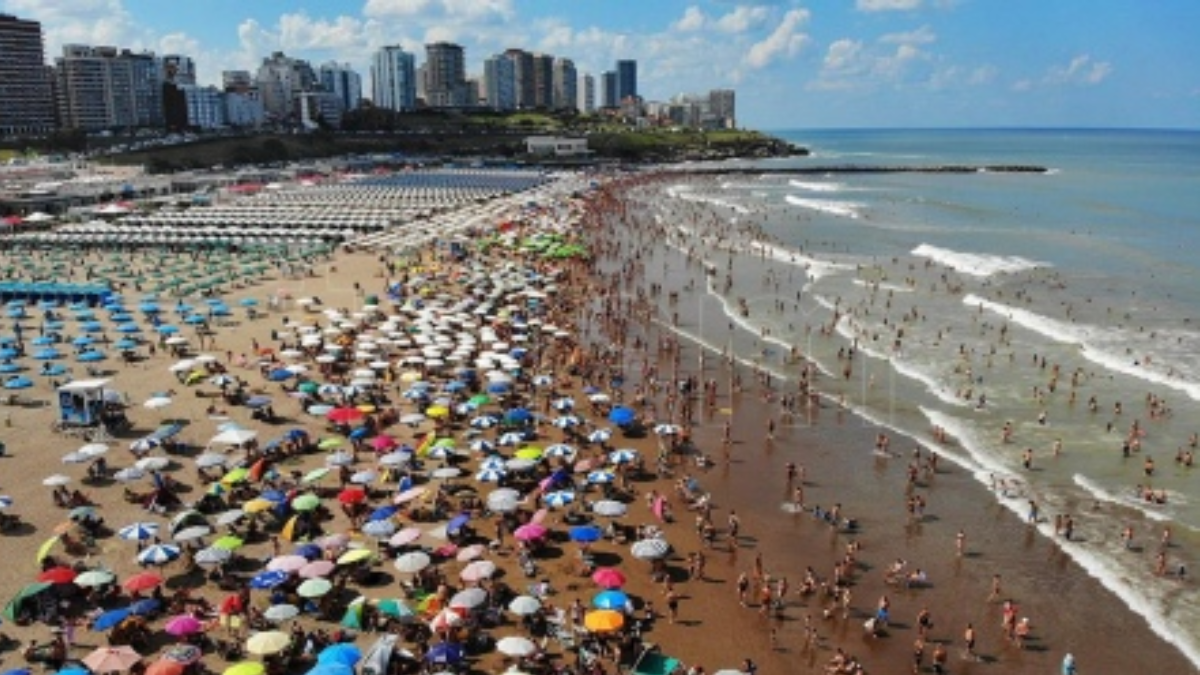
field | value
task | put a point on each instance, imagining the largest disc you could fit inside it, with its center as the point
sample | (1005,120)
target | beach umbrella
(530,532)
(5,501)
(184,624)
(503,501)
(278,613)
(268,579)
(559,450)
(267,642)
(159,554)
(650,549)
(110,618)
(609,508)
(379,529)
(229,542)
(445,620)
(603,621)
(192,533)
(153,463)
(586,533)
(608,577)
(667,429)
(412,562)
(478,570)
(525,605)
(75,458)
(515,645)
(355,555)
(287,563)
(209,460)
(344,415)
(19,382)
(183,654)
(559,498)
(343,653)
(58,575)
(623,456)
(338,458)
(490,475)
(143,581)
(449,653)
(469,598)
(353,495)
(406,536)
(93,578)
(314,588)
(246,668)
(213,556)
(145,607)
(599,436)
(315,475)
(601,477)
(611,599)
(130,474)
(111,659)
(364,477)
(393,608)
(316,568)
(306,502)
(409,495)
(446,472)
(622,416)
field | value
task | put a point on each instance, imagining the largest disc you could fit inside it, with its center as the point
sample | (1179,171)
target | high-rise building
(237,80)
(205,106)
(543,81)
(627,84)
(243,107)
(566,83)
(722,106)
(178,69)
(445,75)
(343,82)
(608,89)
(500,83)
(394,79)
(106,88)
(26,92)
(587,94)
(281,80)
(523,77)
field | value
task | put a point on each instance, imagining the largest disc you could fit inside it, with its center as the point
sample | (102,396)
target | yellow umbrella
(436,411)
(410,376)
(329,443)
(229,543)
(603,621)
(354,555)
(268,642)
(245,668)
(288,532)
(529,453)
(258,505)
(44,549)
(367,408)
(238,475)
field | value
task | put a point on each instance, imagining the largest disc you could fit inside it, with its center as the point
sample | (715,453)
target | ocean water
(984,300)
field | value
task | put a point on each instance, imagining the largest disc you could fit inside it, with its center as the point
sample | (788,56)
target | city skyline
(853,63)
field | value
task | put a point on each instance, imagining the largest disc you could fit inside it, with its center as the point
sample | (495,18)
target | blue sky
(832,63)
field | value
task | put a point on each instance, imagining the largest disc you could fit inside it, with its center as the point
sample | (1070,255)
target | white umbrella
(157,402)
(213,556)
(650,549)
(525,605)
(412,562)
(469,598)
(56,480)
(515,645)
(138,531)
(153,463)
(93,449)
(233,437)
(230,517)
(609,508)
(210,459)
(379,529)
(480,569)
(281,612)
(192,533)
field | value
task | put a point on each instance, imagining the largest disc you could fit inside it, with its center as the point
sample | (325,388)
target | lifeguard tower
(81,409)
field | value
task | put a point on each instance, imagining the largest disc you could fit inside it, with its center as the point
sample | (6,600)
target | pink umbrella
(334,542)
(540,516)
(529,532)
(445,620)
(184,624)
(469,553)
(480,569)
(406,536)
(287,563)
(608,577)
(408,495)
(317,568)
(383,443)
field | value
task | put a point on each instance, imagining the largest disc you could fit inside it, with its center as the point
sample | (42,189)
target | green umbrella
(308,387)
(315,475)
(229,543)
(480,399)
(306,502)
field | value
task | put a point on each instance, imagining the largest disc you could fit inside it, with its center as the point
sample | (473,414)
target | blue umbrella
(167,329)
(125,344)
(92,356)
(383,513)
(518,416)
(9,353)
(586,533)
(258,402)
(85,315)
(53,371)
(159,554)
(274,496)
(248,302)
(76,670)
(194,319)
(8,368)
(342,652)
(445,652)
(42,341)
(83,341)
(219,310)
(111,618)
(280,375)
(19,382)
(559,498)
(456,523)
(310,551)
(498,388)
(91,327)
(296,434)
(121,317)
(149,308)
(610,600)
(268,579)
(359,433)
(330,669)
(621,416)
(128,328)
(143,607)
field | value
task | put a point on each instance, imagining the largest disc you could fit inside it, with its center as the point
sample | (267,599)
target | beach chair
(652,662)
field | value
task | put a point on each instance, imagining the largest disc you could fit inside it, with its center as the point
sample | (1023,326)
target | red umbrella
(352,496)
(232,604)
(142,582)
(608,577)
(383,443)
(58,575)
(344,415)
(164,667)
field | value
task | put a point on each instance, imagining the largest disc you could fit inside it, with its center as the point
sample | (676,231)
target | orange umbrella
(165,668)
(603,621)
(258,469)
(142,582)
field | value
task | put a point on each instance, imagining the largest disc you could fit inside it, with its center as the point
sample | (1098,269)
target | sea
(1061,306)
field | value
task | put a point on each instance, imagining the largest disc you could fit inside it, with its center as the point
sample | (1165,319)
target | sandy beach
(617,313)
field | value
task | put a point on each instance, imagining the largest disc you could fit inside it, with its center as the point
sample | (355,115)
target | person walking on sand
(960,542)
(969,643)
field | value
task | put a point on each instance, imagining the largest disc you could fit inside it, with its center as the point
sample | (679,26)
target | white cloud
(887,5)
(90,22)
(1082,70)
(693,19)
(842,55)
(786,39)
(742,19)
(921,36)
(425,9)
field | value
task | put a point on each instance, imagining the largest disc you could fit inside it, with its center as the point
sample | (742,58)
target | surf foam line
(830,206)
(816,187)
(1084,337)
(976,264)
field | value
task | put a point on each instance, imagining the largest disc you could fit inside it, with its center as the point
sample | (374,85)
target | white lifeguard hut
(81,409)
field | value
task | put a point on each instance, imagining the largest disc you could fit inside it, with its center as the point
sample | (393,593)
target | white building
(205,106)
(556,146)
(394,79)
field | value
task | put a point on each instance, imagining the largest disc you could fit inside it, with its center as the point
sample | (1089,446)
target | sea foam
(816,187)
(830,206)
(976,264)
